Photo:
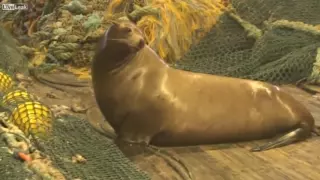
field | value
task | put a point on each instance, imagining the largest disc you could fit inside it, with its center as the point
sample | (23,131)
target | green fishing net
(104,160)
(270,40)
(10,168)
(71,136)
(11,59)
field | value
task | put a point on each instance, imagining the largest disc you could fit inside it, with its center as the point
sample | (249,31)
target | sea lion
(147,101)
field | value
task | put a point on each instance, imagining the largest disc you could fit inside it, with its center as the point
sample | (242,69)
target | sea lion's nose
(141,43)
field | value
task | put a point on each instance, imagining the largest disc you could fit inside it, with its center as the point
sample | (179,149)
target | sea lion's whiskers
(124,41)
(115,39)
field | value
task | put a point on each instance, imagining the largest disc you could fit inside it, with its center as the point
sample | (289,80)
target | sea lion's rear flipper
(298,134)
(316,130)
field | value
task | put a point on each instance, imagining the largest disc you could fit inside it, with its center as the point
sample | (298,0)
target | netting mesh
(11,169)
(5,82)
(61,140)
(284,53)
(14,97)
(10,57)
(69,137)
(73,136)
(32,118)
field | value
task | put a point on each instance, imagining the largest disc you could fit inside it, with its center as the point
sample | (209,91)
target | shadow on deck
(300,161)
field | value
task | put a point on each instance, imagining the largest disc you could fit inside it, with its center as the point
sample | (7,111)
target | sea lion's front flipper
(291,137)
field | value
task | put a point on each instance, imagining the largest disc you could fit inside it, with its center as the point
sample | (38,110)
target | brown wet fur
(146,101)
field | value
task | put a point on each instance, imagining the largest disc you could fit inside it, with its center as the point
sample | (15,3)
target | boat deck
(300,161)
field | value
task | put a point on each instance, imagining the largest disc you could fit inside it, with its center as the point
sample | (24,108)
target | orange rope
(24,157)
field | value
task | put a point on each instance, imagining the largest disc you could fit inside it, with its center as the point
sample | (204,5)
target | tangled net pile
(270,40)
(262,40)
(59,148)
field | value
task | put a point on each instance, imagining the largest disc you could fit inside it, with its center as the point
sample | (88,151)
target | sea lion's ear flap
(131,19)
(115,23)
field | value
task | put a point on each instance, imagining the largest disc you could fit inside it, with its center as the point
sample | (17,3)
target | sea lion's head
(121,41)
(124,35)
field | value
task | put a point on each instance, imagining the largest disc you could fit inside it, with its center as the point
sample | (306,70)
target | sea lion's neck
(149,56)
(112,58)
(155,54)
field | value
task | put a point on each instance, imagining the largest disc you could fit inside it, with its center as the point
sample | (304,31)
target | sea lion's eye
(127,29)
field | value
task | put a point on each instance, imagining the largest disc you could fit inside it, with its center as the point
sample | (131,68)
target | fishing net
(59,140)
(10,58)
(270,40)
(62,139)
(72,136)
(11,169)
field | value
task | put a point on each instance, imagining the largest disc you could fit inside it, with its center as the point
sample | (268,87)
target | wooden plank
(300,161)
(236,162)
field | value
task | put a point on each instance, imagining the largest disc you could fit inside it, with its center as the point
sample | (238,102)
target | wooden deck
(300,161)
